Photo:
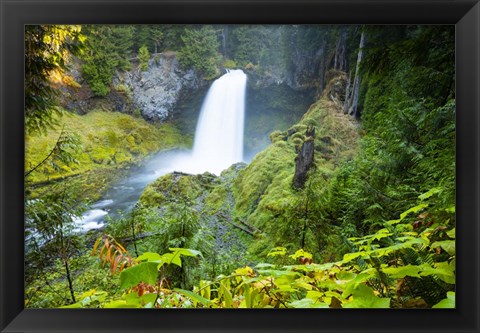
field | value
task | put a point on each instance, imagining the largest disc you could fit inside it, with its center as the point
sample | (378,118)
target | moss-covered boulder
(178,187)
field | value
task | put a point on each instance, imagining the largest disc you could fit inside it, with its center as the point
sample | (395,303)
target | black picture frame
(465,14)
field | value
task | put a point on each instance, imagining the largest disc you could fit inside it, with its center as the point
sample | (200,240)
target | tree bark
(69,278)
(134,236)
(305,219)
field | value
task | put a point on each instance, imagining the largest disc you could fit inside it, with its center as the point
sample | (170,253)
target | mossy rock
(174,187)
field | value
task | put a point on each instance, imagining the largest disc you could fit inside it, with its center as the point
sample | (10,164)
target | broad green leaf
(72,306)
(149,256)
(350,256)
(447,303)
(360,278)
(247,292)
(301,253)
(196,298)
(264,265)
(447,245)
(299,268)
(302,284)
(285,288)
(314,295)
(443,270)
(120,304)
(172,258)
(139,301)
(205,289)
(402,271)
(363,297)
(451,233)
(307,303)
(278,273)
(345,275)
(244,271)
(226,294)
(326,266)
(413,210)
(186,252)
(144,272)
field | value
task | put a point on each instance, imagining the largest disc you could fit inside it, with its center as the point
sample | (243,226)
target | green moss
(108,140)
(263,191)
(217,200)
(230,64)
(175,187)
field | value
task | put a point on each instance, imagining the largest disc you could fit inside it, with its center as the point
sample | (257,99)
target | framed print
(240,166)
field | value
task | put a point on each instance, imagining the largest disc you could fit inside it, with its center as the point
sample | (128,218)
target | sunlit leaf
(301,253)
(224,293)
(119,304)
(451,233)
(447,303)
(144,272)
(447,245)
(402,271)
(149,256)
(364,297)
(442,270)
(196,298)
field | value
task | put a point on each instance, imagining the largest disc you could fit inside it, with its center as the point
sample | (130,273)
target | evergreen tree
(47,51)
(200,50)
(143,57)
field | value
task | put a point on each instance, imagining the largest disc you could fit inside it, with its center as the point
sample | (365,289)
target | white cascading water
(219,134)
(218,144)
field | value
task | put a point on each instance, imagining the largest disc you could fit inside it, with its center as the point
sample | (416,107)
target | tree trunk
(305,219)
(69,278)
(134,236)
(353,109)
(347,94)
(340,61)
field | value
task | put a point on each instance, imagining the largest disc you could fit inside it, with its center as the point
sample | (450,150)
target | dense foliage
(370,224)
(47,50)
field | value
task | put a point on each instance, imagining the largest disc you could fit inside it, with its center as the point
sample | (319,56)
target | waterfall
(218,144)
(219,134)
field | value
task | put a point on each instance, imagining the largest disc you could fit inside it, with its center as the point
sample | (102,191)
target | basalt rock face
(157,91)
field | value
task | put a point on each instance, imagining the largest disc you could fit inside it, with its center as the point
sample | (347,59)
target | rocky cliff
(157,91)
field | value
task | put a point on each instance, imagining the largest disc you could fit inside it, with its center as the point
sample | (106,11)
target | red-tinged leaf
(95,246)
(122,266)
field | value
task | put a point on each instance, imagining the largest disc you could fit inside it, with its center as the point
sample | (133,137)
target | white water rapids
(218,144)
